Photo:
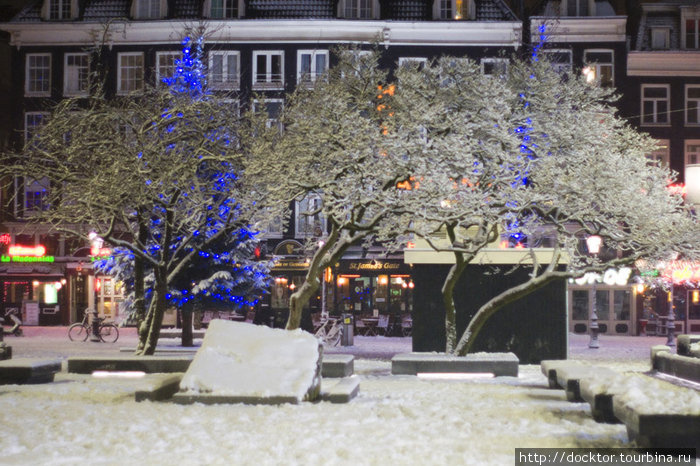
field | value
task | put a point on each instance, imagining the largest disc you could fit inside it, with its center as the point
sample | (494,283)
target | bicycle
(330,332)
(80,331)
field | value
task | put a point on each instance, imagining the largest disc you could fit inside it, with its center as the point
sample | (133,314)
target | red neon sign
(36,251)
(5,238)
(99,252)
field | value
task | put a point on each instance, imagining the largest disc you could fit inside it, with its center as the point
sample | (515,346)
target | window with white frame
(494,66)
(454,9)
(274,228)
(38,74)
(224,69)
(59,10)
(76,70)
(129,72)
(577,8)
(311,64)
(559,59)
(692,151)
(358,9)
(32,122)
(225,9)
(148,9)
(308,218)
(692,104)
(268,69)
(655,103)
(416,61)
(36,195)
(273,107)
(660,38)
(599,66)
(660,155)
(165,65)
(690,31)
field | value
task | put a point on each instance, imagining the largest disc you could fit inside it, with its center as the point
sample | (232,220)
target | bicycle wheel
(77,332)
(109,333)
(334,335)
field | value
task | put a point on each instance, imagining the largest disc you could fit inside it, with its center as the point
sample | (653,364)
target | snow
(252,360)
(394,420)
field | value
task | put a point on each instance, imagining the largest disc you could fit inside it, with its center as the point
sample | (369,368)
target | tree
(334,152)
(529,154)
(159,176)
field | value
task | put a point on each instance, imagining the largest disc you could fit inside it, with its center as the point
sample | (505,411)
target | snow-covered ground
(398,420)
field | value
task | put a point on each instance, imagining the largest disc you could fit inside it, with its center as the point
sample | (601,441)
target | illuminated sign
(36,251)
(610,277)
(25,259)
(100,252)
(5,238)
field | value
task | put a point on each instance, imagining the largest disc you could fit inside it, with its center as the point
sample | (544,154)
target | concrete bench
(570,377)
(177,333)
(159,387)
(28,370)
(147,364)
(498,364)
(599,393)
(342,392)
(550,367)
(209,399)
(657,414)
(164,349)
(684,342)
(684,367)
(337,365)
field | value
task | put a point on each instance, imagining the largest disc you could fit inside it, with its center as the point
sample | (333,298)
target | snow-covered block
(657,413)
(550,367)
(570,377)
(599,392)
(243,363)
(498,364)
(338,365)
(28,370)
(684,342)
(343,391)
(684,367)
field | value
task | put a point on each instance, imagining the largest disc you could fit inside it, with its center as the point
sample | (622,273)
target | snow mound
(240,359)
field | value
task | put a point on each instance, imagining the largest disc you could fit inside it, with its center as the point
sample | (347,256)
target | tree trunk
(299,298)
(158,311)
(448,302)
(186,314)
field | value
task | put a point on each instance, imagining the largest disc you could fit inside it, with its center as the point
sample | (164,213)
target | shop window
(38,75)
(692,152)
(694,304)
(580,305)
(655,104)
(621,304)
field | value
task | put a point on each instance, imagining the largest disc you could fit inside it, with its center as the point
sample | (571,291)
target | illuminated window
(75,74)
(655,102)
(310,65)
(223,70)
(130,72)
(268,69)
(32,122)
(38,74)
(165,65)
(494,66)
(661,155)
(454,9)
(599,66)
(358,9)
(309,220)
(221,9)
(692,151)
(692,104)
(36,195)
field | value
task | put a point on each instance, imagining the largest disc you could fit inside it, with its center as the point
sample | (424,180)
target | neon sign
(25,254)
(5,238)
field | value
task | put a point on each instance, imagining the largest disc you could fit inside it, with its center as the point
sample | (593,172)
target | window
(59,9)
(692,104)
(268,70)
(661,155)
(691,29)
(165,65)
(75,74)
(273,107)
(357,9)
(310,65)
(308,218)
(692,151)
(655,100)
(223,70)
(32,121)
(130,72)
(599,66)
(660,38)
(494,66)
(148,9)
(419,61)
(454,9)
(221,9)
(35,195)
(560,60)
(38,75)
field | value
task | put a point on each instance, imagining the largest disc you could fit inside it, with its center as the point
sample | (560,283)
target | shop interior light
(696,297)
(692,184)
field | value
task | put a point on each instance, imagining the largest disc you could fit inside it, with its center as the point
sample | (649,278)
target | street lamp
(594,242)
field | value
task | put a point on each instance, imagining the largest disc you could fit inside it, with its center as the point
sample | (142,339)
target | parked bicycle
(80,331)
(330,332)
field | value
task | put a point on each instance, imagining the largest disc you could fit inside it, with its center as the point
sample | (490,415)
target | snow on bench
(28,370)
(498,364)
(337,365)
(570,377)
(550,367)
(147,364)
(342,392)
(683,367)
(158,387)
(688,345)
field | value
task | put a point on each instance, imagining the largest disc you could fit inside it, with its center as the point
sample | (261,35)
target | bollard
(95,324)
(347,338)
(671,322)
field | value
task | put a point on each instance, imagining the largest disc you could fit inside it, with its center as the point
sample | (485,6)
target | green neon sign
(26,259)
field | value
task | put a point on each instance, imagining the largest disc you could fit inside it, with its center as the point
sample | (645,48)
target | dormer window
(660,38)
(691,33)
(358,9)
(149,9)
(454,9)
(577,8)
(224,9)
(59,10)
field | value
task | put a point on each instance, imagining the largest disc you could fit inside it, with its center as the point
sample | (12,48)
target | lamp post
(671,321)
(594,242)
